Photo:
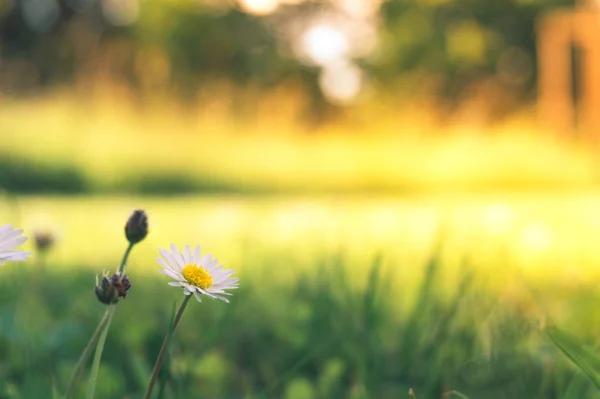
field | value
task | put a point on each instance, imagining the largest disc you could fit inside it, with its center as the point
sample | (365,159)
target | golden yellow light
(259,7)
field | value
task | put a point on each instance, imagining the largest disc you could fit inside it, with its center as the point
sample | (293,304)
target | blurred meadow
(407,190)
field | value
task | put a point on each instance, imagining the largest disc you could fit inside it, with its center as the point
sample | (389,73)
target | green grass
(317,336)
(339,298)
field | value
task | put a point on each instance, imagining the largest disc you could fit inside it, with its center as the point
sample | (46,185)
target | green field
(340,297)
(542,234)
(61,143)
(374,256)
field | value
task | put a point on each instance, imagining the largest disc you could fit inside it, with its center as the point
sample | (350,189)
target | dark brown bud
(111,288)
(136,228)
(43,240)
(121,283)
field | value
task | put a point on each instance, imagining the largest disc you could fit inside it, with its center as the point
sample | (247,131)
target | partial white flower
(197,275)
(9,240)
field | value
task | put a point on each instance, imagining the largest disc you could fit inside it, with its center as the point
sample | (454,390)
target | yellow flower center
(197,275)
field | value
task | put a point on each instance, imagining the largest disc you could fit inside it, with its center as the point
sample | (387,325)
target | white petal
(10,234)
(169,258)
(175,284)
(227,287)
(229,282)
(187,256)
(197,254)
(222,298)
(217,290)
(14,256)
(21,256)
(198,296)
(216,273)
(11,252)
(171,274)
(167,266)
(206,292)
(177,255)
(12,242)
(214,270)
(5,230)
(205,259)
(190,287)
(222,276)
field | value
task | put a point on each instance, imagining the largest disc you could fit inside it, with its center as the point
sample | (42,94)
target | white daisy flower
(197,275)
(9,240)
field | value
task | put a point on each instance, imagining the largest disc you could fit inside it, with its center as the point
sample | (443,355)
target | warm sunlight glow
(259,7)
(358,8)
(324,44)
(341,82)
(498,218)
(536,237)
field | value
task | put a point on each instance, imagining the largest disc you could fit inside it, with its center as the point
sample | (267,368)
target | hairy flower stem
(102,327)
(165,345)
(125,256)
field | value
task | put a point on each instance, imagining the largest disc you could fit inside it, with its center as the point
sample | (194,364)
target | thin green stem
(163,349)
(164,373)
(101,332)
(86,353)
(98,354)
(124,261)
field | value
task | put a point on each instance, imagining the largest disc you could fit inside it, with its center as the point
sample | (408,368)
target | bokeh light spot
(40,15)
(259,7)
(121,12)
(341,82)
(324,44)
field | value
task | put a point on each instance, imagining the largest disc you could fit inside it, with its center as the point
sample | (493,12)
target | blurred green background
(373,170)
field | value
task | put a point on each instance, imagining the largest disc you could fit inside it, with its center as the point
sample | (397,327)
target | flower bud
(112,288)
(43,240)
(136,228)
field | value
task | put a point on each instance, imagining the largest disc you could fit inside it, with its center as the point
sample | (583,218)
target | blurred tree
(178,47)
(463,41)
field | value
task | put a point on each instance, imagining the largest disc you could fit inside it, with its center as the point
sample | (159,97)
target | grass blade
(578,387)
(574,349)
(55,392)
(98,355)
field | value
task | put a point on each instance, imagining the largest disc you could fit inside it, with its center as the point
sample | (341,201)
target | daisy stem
(86,353)
(98,354)
(165,345)
(124,261)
